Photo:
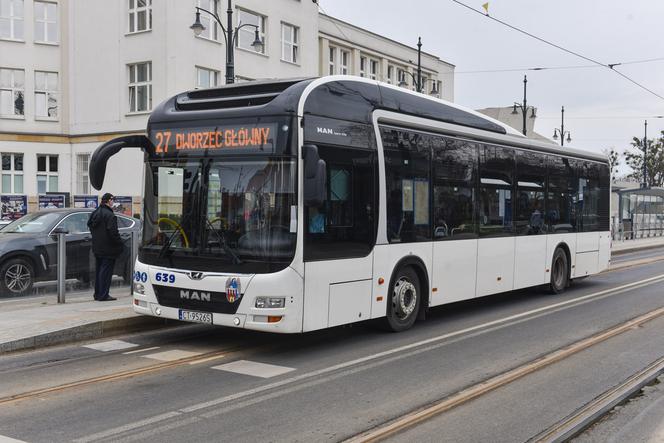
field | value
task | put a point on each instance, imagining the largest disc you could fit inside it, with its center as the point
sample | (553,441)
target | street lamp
(562,131)
(524,107)
(403,84)
(417,80)
(645,152)
(230,36)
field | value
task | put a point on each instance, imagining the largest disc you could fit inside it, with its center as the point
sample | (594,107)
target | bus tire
(404,300)
(559,272)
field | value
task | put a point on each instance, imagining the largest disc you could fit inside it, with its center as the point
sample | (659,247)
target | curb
(635,249)
(90,331)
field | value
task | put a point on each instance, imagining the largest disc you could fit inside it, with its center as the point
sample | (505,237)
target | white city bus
(296,205)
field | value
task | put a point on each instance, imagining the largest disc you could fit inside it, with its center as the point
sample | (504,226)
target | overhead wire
(610,66)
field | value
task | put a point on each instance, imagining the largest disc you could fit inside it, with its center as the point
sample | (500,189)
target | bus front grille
(194,299)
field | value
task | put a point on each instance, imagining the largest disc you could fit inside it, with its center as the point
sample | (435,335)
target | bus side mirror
(97,168)
(315,177)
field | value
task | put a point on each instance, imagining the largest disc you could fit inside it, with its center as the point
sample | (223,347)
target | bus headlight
(270,302)
(139,288)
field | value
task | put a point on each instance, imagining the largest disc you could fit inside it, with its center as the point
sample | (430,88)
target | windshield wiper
(167,245)
(224,244)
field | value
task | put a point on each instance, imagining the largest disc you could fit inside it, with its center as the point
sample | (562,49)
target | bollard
(134,253)
(62,261)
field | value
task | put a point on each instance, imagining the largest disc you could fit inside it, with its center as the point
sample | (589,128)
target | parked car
(29,251)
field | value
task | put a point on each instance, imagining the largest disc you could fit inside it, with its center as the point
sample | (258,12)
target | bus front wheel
(559,271)
(403,300)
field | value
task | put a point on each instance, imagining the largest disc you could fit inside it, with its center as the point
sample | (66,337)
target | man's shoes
(109,298)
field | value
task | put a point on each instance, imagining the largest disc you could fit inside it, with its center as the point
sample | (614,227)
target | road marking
(243,395)
(141,350)
(172,355)
(409,420)
(111,345)
(4,439)
(254,369)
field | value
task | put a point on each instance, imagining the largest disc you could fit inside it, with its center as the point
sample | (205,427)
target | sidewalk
(624,246)
(39,321)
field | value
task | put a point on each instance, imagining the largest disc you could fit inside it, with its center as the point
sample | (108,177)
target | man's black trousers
(103,276)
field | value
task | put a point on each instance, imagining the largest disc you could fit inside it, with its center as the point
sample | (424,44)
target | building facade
(69,82)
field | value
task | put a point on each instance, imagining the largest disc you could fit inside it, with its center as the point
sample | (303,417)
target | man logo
(195,295)
(233,289)
(196,275)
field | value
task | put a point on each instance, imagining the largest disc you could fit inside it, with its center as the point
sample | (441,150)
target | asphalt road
(197,383)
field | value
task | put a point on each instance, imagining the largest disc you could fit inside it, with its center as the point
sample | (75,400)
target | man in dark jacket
(106,245)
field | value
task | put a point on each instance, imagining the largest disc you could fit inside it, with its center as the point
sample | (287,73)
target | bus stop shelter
(641,213)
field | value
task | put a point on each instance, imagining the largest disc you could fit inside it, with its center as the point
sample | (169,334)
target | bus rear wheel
(403,300)
(559,272)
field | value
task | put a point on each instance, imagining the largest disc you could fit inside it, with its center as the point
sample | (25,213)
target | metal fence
(76,273)
(629,231)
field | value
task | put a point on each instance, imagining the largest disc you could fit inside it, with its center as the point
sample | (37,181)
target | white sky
(610,31)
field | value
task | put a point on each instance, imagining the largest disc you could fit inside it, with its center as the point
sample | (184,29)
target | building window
(82,180)
(289,43)
(211,31)
(140,15)
(46,94)
(424,84)
(47,173)
(401,76)
(12,90)
(206,78)
(390,74)
(12,173)
(140,87)
(246,35)
(11,19)
(363,66)
(373,69)
(46,22)
(344,57)
(333,61)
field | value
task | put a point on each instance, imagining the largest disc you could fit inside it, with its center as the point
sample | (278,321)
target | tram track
(312,378)
(213,408)
(192,360)
(557,433)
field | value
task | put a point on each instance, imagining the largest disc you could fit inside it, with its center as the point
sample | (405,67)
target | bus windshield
(220,214)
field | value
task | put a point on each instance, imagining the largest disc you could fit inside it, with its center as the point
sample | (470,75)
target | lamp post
(562,131)
(417,80)
(524,107)
(230,36)
(645,152)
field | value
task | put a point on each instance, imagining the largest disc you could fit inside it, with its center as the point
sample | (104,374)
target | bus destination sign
(173,141)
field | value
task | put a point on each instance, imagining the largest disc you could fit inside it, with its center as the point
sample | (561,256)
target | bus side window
(407,165)
(454,194)
(496,180)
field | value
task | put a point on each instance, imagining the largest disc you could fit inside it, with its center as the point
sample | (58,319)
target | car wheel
(403,300)
(559,272)
(17,276)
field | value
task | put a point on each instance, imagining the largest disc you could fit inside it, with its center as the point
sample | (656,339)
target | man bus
(296,205)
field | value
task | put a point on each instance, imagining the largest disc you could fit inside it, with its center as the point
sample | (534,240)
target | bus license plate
(197,317)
